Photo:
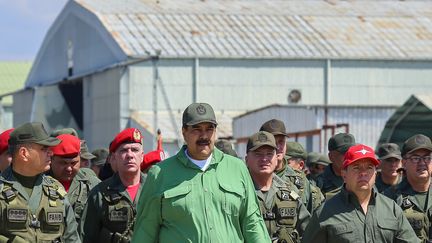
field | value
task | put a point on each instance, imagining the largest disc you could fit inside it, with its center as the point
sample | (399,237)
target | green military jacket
(182,203)
(381,186)
(109,214)
(310,194)
(44,216)
(285,216)
(341,219)
(420,219)
(79,189)
(329,183)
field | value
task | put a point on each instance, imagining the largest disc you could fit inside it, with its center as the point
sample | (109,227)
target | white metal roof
(269,28)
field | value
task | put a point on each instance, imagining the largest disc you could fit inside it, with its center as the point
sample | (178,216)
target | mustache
(203,141)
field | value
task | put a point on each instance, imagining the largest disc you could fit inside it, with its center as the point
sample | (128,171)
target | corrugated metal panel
(284,29)
(12,78)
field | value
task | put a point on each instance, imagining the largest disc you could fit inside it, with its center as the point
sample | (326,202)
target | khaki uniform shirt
(44,216)
(341,219)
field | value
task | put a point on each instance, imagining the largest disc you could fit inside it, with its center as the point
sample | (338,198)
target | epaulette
(56,185)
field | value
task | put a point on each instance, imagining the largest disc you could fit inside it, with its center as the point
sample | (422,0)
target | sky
(23,25)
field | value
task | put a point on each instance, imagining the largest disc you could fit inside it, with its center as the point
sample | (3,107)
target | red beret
(358,152)
(129,135)
(151,158)
(69,147)
(4,138)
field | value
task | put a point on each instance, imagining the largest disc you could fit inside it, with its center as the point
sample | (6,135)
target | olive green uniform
(44,216)
(418,215)
(341,219)
(329,182)
(109,214)
(310,194)
(79,189)
(381,185)
(182,203)
(285,216)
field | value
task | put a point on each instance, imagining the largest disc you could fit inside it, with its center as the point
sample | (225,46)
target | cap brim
(87,155)
(263,144)
(420,147)
(98,162)
(280,133)
(201,121)
(397,156)
(50,142)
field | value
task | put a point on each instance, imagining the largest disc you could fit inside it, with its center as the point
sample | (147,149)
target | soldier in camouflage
(33,206)
(284,214)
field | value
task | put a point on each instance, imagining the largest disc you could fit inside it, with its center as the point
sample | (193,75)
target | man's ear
(302,164)
(23,153)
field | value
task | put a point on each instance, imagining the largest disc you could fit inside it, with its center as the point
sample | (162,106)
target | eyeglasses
(417,159)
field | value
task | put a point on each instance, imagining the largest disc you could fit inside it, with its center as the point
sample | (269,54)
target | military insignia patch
(406,203)
(420,140)
(284,195)
(287,212)
(17,214)
(201,110)
(137,135)
(262,137)
(54,217)
(117,216)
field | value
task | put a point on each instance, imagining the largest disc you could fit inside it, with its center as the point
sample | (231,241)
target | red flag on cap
(4,140)
(69,147)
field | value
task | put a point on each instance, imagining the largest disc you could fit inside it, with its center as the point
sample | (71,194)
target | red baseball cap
(152,158)
(358,152)
(69,147)
(129,135)
(4,140)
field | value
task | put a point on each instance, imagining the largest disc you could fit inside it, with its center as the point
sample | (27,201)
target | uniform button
(205,189)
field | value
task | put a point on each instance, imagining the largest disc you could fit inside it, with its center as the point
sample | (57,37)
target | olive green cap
(226,147)
(275,127)
(317,158)
(101,155)
(197,113)
(295,150)
(418,141)
(32,132)
(260,139)
(84,151)
(67,130)
(341,142)
(388,150)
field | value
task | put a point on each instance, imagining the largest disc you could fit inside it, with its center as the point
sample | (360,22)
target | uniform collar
(350,198)
(8,178)
(217,156)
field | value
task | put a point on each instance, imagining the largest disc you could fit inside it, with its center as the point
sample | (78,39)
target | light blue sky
(23,25)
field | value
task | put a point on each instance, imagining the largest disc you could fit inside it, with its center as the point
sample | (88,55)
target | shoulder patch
(294,195)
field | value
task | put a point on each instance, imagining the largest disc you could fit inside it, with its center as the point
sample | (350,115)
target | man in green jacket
(110,212)
(284,214)
(414,193)
(33,206)
(390,159)
(65,167)
(330,182)
(200,194)
(358,213)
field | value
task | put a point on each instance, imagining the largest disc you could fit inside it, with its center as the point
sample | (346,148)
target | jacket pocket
(176,202)
(16,218)
(342,233)
(233,197)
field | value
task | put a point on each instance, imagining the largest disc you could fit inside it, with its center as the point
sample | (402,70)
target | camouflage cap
(341,142)
(317,158)
(226,147)
(67,130)
(32,132)
(197,113)
(388,150)
(275,127)
(84,151)
(101,154)
(418,141)
(295,150)
(260,139)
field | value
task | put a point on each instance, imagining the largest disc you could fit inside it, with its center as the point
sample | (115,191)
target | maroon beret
(129,135)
